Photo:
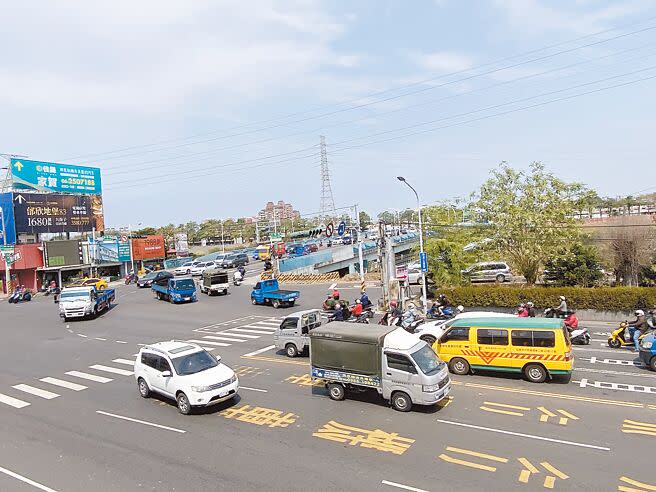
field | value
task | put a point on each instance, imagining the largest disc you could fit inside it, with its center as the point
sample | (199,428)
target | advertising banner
(7,215)
(52,177)
(148,248)
(39,213)
(62,253)
(181,244)
(109,250)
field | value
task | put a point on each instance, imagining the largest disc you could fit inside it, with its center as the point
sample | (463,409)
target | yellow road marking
(637,484)
(554,470)
(524,476)
(478,455)
(641,424)
(506,406)
(505,412)
(529,466)
(622,488)
(280,361)
(568,415)
(456,461)
(445,402)
(549,481)
(545,414)
(644,432)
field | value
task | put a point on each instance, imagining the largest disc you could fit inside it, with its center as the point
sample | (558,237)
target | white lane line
(605,385)
(207,342)
(48,395)
(608,351)
(240,335)
(253,389)
(159,426)
(64,384)
(265,349)
(208,349)
(225,339)
(259,332)
(401,486)
(256,326)
(120,341)
(81,335)
(529,436)
(101,339)
(618,373)
(90,377)
(127,362)
(26,480)
(269,323)
(13,402)
(113,370)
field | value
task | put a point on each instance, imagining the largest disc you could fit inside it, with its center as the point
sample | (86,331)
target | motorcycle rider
(442,302)
(268,265)
(571,321)
(335,294)
(237,277)
(531,309)
(638,327)
(561,310)
(346,312)
(522,311)
(242,270)
(357,309)
(339,315)
(395,312)
(364,299)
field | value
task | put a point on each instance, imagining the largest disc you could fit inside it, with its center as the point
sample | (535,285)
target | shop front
(23,271)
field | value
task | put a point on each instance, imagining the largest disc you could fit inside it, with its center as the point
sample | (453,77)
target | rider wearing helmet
(357,309)
(561,310)
(571,321)
(638,327)
(394,309)
(531,309)
(522,311)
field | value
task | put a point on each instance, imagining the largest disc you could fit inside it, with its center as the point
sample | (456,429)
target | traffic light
(315,232)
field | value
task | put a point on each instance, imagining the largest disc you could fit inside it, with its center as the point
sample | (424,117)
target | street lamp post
(421,244)
(4,242)
(222,238)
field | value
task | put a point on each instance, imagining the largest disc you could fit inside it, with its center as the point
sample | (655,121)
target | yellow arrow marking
(636,483)
(554,470)
(529,466)
(456,461)
(506,406)
(478,455)
(545,414)
(18,165)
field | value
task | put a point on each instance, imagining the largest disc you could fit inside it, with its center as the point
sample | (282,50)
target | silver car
(490,271)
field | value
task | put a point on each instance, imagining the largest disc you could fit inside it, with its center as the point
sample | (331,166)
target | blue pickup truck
(268,292)
(175,290)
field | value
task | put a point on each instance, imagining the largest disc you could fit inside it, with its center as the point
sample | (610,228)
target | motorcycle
(553,313)
(237,278)
(621,337)
(20,296)
(361,318)
(579,336)
(447,311)
(130,278)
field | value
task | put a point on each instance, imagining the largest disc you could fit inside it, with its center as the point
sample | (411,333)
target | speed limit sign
(330,228)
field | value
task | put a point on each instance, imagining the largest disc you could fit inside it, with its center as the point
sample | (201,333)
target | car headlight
(647,344)
(233,379)
(200,389)
(430,388)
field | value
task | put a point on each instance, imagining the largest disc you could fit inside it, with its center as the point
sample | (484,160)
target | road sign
(423,260)
(402,272)
(124,238)
(341,228)
(276,235)
(330,228)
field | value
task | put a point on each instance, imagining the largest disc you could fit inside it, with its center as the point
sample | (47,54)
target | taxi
(538,348)
(98,283)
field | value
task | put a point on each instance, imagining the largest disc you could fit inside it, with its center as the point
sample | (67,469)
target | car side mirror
(166,374)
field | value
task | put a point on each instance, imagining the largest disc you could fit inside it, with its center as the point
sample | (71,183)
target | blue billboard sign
(341,228)
(7,207)
(109,250)
(57,178)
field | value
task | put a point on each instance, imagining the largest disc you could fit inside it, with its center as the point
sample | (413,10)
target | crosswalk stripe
(48,395)
(127,362)
(208,349)
(225,339)
(207,342)
(269,329)
(270,323)
(64,384)
(90,377)
(238,334)
(251,331)
(114,370)
(13,402)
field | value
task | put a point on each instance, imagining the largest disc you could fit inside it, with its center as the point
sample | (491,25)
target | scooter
(130,278)
(20,296)
(580,336)
(237,278)
(621,337)
(553,313)
(361,318)
(447,311)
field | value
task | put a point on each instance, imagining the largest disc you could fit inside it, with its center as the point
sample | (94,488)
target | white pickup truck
(79,302)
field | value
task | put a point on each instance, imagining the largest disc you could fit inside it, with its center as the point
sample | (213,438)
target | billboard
(62,253)
(181,244)
(39,213)
(56,178)
(148,248)
(6,200)
(109,250)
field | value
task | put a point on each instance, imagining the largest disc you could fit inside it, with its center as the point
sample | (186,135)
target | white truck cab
(293,334)
(78,302)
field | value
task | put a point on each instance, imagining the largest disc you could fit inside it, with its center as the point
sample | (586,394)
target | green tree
(146,231)
(530,214)
(577,265)
(387,217)
(365,219)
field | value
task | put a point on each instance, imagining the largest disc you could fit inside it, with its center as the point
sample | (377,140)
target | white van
(431,331)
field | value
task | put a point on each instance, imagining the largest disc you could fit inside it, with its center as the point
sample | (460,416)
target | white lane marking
(269,323)
(240,335)
(225,339)
(259,332)
(81,335)
(207,342)
(113,370)
(13,402)
(602,333)
(101,339)
(159,426)
(90,377)
(265,349)
(208,349)
(253,389)
(609,351)
(256,326)
(401,486)
(64,384)
(127,362)
(617,362)
(636,388)
(120,341)
(26,480)
(48,395)
(618,373)
(529,436)
(142,344)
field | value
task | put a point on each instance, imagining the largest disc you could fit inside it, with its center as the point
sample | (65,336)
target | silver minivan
(489,271)
(293,334)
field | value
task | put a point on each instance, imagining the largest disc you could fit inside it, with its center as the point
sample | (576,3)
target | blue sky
(218,106)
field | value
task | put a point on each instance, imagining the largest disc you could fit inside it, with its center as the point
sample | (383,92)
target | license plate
(225,393)
(446,391)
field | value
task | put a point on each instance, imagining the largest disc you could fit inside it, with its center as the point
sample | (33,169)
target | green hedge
(600,298)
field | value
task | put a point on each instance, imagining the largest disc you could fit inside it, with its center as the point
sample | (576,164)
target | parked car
(492,271)
(148,279)
(347,239)
(198,269)
(311,248)
(185,268)
(186,373)
(234,260)
(98,283)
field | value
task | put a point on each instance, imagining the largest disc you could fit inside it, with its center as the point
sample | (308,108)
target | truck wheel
(401,402)
(291,303)
(459,366)
(291,350)
(225,292)
(253,301)
(336,391)
(535,373)
(275,303)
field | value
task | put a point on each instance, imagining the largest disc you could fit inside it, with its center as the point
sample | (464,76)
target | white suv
(185,372)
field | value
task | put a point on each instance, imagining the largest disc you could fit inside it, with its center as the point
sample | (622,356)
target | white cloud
(442,62)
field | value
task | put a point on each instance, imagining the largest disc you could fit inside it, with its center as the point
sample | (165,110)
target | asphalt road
(495,433)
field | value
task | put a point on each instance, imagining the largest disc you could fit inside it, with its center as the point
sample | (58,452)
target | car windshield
(186,283)
(427,361)
(74,296)
(148,276)
(193,363)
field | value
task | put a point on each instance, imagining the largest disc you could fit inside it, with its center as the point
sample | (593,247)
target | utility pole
(327,200)
(93,255)
(222,238)
(360,258)
(257,233)
(5,257)
(131,251)
(382,261)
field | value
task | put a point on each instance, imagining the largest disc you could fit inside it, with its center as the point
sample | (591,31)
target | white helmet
(639,312)
(562,298)
(460,309)
(529,304)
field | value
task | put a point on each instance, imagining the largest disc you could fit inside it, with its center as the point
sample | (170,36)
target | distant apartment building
(277,211)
